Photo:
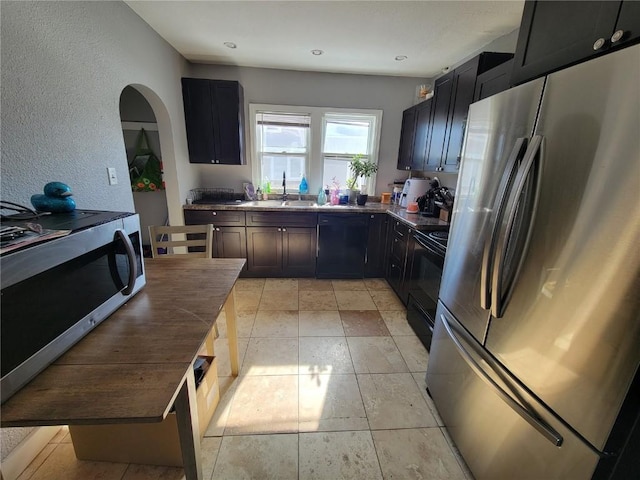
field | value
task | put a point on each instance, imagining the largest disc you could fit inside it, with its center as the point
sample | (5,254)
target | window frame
(314,167)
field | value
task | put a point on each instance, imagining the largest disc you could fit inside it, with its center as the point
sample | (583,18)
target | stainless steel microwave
(54,293)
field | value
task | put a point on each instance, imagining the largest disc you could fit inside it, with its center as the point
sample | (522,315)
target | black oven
(427,262)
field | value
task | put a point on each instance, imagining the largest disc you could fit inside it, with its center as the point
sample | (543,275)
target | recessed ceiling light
(317,52)
(400,58)
(230,45)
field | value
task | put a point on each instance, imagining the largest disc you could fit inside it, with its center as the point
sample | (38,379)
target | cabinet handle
(284,229)
(599,43)
(617,36)
(279,229)
(371,216)
(214,213)
(217,229)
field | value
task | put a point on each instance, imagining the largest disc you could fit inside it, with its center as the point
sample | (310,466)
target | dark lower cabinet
(230,242)
(557,34)
(281,251)
(376,257)
(398,247)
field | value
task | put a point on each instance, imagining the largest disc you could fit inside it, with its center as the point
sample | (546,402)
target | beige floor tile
(271,356)
(227,387)
(413,351)
(376,355)
(63,464)
(396,322)
(354,300)
(265,404)
(363,323)
(247,301)
(387,300)
(324,355)
(279,300)
(394,401)
(244,323)
(317,300)
(258,457)
(286,284)
(320,324)
(338,455)
(347,285)
(221,350)
(416,453)
(421,381)
(376,284)
(330,403)
(467,472)
(152,472)
(35,464)
(276,323)
(315,284)
(249,284)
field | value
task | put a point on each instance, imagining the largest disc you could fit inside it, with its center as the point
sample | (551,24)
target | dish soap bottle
(303,188)
(322,197)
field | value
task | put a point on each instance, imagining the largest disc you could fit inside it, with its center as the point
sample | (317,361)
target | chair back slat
(188,237)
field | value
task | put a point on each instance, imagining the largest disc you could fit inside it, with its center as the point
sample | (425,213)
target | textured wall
(64,66)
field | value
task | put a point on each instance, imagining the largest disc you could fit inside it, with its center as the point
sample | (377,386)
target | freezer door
(570,330)
(497,134)
(502,432)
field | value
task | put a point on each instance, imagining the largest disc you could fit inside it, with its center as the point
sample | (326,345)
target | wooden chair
(157,234)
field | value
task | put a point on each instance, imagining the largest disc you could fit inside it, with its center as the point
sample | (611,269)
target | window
(316,142)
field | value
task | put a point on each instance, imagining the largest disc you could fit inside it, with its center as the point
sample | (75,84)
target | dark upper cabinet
(554,35)
(453,94)
(214,120)
(493,81)
(421,135)
(407,134)
(441,102)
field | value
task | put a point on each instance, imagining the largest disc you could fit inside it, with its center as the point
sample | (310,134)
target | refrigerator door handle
(519,149)
(499,300)
(529,416)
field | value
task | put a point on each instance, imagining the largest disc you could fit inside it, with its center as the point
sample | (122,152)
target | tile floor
(331,387)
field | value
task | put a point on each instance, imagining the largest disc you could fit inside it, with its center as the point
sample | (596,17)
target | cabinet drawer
(400,230)
(398,249)
(282,219)
(222,218)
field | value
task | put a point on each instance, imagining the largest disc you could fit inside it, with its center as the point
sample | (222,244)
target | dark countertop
(414,220)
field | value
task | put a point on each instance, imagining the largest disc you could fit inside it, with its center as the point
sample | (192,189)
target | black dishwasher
(342,245)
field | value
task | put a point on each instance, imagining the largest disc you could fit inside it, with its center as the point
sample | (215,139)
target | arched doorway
(139,122)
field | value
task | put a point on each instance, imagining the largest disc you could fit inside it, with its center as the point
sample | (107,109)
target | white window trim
(314,167)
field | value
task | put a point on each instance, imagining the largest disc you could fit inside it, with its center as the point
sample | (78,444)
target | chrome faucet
(284,186)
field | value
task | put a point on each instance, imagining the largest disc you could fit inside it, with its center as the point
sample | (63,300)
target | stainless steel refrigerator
(534,364)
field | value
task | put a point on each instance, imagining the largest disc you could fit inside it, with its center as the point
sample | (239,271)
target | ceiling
(362,37)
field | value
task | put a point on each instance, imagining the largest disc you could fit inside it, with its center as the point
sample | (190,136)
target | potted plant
(361,169)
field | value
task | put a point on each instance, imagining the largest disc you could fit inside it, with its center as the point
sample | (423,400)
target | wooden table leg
(188,428)
(232,331)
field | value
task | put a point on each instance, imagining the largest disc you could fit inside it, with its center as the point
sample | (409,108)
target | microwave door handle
(518,150)
(131,258)
(499,300)
(529,416)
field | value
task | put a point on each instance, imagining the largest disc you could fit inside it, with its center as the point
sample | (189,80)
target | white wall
(288,87)
(64,66)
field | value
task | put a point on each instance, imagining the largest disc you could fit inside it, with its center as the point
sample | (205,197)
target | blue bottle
(303,188)
(322,197)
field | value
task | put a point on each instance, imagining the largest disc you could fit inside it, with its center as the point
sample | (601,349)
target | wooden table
(138,362)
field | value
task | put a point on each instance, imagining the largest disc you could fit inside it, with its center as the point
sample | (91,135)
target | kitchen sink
(263,203)
(299,203)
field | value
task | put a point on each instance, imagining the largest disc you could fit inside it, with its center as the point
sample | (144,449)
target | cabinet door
(264,251)
(407,133)
(628,26)
(557,34)
(376,246)
(494,81)
(441,102)
(230,242)
(299,252)
(196,95)
(226,121)
(461,98)
(421,135)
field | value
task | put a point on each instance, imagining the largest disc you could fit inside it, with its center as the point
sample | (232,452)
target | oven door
(426,270)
